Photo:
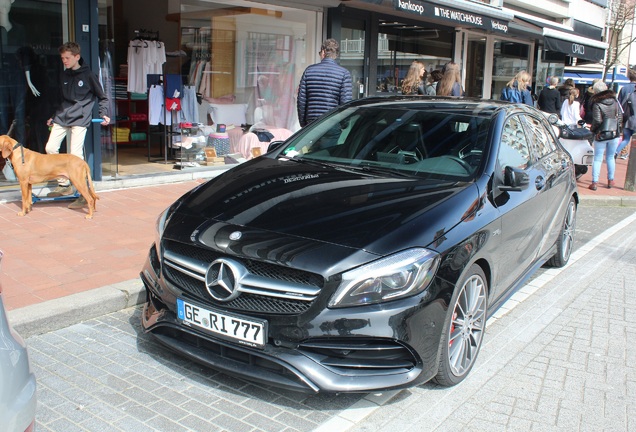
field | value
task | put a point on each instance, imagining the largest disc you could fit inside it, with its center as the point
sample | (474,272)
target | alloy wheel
(467,326)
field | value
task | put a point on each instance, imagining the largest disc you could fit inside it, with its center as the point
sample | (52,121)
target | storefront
(241,62)
(561,45)
(394,33)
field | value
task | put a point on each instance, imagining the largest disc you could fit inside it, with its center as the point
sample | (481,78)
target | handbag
(8,172)
(608,129)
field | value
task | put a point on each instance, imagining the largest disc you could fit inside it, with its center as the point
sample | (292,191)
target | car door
(522,210)
(553,161)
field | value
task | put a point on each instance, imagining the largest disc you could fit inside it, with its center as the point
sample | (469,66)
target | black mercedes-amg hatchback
(367,251)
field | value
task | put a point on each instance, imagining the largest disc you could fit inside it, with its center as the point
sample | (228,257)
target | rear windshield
(414,142)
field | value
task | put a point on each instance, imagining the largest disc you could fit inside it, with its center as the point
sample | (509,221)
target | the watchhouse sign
(459,17)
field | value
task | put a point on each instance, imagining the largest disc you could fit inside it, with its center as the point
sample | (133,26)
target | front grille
(273,289)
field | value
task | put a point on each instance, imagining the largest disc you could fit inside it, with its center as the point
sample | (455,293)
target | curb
(607,201)
(12,193)
(66,311)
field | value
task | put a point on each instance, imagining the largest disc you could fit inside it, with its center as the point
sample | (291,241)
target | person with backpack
(627,99)
(516,90)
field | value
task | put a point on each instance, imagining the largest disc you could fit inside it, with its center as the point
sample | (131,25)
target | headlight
(397,276)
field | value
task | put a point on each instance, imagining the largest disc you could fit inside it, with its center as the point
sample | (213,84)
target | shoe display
(61,191)
(78,203)
(593,186)
(610,184)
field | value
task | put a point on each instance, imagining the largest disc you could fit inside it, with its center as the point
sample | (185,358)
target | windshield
(421,142)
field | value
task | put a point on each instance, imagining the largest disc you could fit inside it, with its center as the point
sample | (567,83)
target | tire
(464,328)
(565,241)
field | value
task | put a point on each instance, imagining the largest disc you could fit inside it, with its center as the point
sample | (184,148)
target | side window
(514,150)
(540,139)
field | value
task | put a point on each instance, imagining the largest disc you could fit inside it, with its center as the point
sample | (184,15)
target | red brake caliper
(452,328)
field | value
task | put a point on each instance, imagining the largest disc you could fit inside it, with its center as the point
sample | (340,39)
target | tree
(620,19)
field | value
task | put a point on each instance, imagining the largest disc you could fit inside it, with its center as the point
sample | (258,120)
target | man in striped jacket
(324,85)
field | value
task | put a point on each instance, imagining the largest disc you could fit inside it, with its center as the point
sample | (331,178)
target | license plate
(251,332)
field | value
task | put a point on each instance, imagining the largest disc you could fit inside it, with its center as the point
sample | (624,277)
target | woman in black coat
(605,107)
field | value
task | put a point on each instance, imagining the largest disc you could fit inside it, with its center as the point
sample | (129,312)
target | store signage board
(574,49)
(457,16)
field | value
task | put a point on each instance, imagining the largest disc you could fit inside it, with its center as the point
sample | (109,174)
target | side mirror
(515,179)
(274,145)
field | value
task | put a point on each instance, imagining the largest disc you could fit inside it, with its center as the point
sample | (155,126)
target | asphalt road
(106,375)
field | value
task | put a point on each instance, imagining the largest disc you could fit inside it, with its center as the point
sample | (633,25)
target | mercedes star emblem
(221,279)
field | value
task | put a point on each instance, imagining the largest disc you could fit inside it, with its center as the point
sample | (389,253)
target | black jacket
(605,105)
(79,88)
(586,103)
(550,101)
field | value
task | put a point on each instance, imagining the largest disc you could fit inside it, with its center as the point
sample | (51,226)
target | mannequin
(15,75)
(5,8)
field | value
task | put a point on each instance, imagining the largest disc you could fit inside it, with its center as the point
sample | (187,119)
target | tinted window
(410,140)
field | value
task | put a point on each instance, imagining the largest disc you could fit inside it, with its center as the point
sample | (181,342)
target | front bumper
(380,347)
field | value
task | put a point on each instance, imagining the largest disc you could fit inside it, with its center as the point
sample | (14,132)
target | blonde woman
(571,108)
(450,84)
(414,81)
(516,90)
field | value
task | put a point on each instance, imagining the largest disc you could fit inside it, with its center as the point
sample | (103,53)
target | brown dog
(32,167)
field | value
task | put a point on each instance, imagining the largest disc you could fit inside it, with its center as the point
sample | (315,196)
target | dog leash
(17,144)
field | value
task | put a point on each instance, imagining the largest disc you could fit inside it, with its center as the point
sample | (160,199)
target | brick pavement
(54,252)
(602,191)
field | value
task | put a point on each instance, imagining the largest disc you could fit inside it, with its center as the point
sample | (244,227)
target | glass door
(401,42)
(109,83)
(475,70)
(353,44)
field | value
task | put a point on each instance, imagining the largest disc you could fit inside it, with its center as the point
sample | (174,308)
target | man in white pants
(79,88)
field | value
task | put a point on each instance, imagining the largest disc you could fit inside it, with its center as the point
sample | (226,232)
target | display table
(250,141)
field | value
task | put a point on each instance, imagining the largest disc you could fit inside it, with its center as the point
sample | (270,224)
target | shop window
(253,56)
(30,35)
(509,58)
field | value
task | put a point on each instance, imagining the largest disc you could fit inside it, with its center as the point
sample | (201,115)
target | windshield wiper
(375,170)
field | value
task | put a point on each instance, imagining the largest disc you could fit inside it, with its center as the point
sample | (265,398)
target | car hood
(353,209)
